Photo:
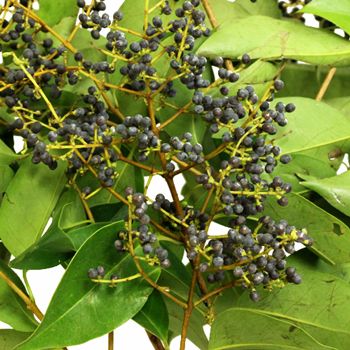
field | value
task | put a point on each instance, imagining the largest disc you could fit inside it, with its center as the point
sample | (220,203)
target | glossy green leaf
(14,311)
(7,156)
(331,236)
(225,10)
(312,315)
(53,248)
(154,317)
(54,11)
(337,12)
(28,203)
(335,190)
(81,304)
(272,39)
(9,338)
(73,212)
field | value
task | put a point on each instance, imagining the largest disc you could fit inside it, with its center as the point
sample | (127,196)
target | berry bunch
(93,136)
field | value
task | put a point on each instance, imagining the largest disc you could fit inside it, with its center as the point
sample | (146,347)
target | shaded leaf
(295,313)
(73,209)
(9,338)
(14,311)
(306,80)
(7,155)
(272,39)
(154,317)
(79,303)
(28,203)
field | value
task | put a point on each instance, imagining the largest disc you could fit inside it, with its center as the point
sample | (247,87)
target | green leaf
(154,317)
(247,329)
(272,39)
(128,175)
(312,315)
(52,12)
(337,12)
(341,103)
(73,213)
(28,203)
(335,190)
(225,10)
(260,75)
(53,248)
(331,236)
(9,338)
(306,80)
(6,175)
(7,156)
(301,135)
(5,115)
(14,311)
(301,132)
(300,166)
(94,309)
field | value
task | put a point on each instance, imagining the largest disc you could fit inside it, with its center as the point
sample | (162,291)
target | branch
(214,22)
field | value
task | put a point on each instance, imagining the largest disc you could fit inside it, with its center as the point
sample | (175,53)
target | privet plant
(226,95)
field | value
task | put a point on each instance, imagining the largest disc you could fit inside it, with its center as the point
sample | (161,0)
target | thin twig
(326,84)
(30,305)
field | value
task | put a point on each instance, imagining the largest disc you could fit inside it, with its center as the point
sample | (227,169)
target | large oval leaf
(312,315)
(81,304)
(271,39)
(28,203)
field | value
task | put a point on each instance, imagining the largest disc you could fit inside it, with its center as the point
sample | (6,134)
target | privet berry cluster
(93,136)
